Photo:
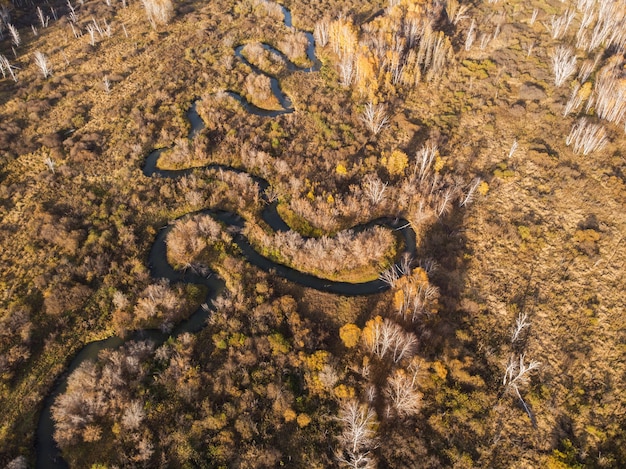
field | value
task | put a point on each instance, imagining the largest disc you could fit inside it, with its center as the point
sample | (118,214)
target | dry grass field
(495,128)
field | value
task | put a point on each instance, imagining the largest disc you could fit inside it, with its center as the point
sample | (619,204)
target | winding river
(48,454)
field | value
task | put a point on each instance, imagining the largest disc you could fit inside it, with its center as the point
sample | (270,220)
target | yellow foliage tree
(289,415)
(344,392)
(303,420)
(397,163)
(370,331)
(350,335)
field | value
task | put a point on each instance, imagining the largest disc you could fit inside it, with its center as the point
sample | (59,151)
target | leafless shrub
(18,463)
(259,87)
(586,137)
(133,415)
(563,64)
(264,59)
(120,301)
(97,392)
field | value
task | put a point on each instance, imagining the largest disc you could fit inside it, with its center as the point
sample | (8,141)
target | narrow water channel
(48,454)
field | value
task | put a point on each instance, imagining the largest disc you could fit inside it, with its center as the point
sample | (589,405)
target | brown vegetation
(419,108)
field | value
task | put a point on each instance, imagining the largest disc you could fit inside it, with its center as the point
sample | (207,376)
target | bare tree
(574,102)
(133,415)
(405,266)
(92,34)
(375,117)
(456,12)
(42,62)
(15,35)
(445,201)
(424,160)
(471,36)
(563,64)
(559,24)
(374,189)
(402,391)
(358,435)
(521,323)
(390,276)
(43,19)
(470,192)
(416,300)
(321,32)
(49,162)
(346,70)
(513,149)
(586,137)
(517,374)
(18,463)
(384,337)
(158,11)
(73,15)
(7,68)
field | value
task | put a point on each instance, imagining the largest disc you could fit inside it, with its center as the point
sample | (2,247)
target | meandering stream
(48,454)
